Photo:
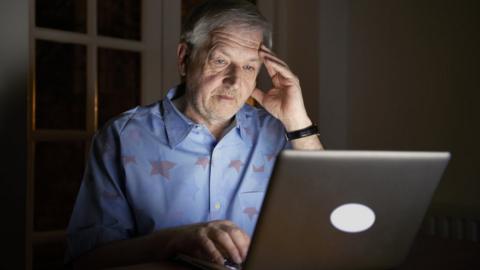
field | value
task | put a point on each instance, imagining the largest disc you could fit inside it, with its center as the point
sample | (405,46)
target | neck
(216,128)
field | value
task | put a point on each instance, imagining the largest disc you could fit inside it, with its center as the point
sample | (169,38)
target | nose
(232,75)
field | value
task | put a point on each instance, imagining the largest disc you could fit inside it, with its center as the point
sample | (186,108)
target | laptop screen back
(344,209)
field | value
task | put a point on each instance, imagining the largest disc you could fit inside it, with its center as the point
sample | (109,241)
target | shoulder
(140,115)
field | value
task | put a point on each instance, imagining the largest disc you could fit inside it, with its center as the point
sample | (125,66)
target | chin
(224,111)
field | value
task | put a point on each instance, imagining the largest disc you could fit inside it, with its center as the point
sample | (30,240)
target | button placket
(215,204)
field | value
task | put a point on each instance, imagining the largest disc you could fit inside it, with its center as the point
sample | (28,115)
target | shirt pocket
(251,203)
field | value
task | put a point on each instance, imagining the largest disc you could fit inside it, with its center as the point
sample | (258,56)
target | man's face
(222,75)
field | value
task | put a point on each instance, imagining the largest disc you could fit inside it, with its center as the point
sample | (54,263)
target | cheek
(206,86)
(208,81)
(205,81)
(249,81)
(211,76)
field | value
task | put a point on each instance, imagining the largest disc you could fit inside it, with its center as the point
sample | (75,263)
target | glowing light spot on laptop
(352,218)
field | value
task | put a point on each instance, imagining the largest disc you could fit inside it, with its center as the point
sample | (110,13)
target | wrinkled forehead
(232,36)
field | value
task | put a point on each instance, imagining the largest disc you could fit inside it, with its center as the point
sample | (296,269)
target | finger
(270,70)
(241,240)
(239,236)
(258,95)
(277,79)
(273,58)
(211,250)
(248,241)
(266,49)
(224,242)
(278,68)
(266,52)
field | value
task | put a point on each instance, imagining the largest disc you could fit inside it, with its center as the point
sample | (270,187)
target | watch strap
(301,133)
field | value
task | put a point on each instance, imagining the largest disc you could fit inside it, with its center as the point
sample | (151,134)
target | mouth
(226,97)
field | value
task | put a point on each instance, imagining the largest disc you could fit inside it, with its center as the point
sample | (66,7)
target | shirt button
(217,205)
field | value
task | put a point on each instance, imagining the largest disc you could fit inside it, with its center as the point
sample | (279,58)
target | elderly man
(188,174)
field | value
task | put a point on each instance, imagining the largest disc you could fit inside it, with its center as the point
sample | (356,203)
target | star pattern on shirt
(134,135)
(162,167)
(250,212)
(203,161)
(258,169)
(128,159)
(270,157)
(236,164)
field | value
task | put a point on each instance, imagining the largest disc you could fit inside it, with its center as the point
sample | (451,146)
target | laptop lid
(344,209)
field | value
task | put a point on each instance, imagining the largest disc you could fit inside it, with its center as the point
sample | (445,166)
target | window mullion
(92,95)
(30,143)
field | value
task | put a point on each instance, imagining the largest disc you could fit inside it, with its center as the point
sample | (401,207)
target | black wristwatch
(301,133)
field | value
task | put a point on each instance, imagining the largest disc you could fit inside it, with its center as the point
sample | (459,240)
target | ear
(182,58)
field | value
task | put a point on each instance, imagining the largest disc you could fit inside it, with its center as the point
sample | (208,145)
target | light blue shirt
(153,168)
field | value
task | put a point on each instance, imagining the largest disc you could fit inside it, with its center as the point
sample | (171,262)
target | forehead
(248,40)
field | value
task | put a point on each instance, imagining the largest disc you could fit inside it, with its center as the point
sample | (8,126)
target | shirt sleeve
(101,213)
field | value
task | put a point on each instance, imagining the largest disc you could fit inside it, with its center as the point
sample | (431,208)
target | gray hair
(216,14)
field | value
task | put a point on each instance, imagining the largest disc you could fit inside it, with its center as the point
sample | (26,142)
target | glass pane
(60,85)
(58,172)
(69,15)
(118,82)
(119,18)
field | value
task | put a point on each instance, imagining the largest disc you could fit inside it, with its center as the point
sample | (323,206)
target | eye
(219,61)
(249,68)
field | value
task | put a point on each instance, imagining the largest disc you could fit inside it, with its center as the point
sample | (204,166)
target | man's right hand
(213,241)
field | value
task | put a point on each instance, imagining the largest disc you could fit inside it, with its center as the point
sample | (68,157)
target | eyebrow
(220,49)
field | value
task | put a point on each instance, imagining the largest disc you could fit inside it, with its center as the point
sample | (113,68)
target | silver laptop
(344,209)
(340,210)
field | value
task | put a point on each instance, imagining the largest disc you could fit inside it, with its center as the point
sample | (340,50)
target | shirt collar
(178,126)
(246,124)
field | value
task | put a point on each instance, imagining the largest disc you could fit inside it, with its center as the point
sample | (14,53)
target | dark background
(376,74)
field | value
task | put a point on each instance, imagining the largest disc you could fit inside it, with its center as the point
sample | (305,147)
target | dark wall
(13,89)
(414,84)
(300,50)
